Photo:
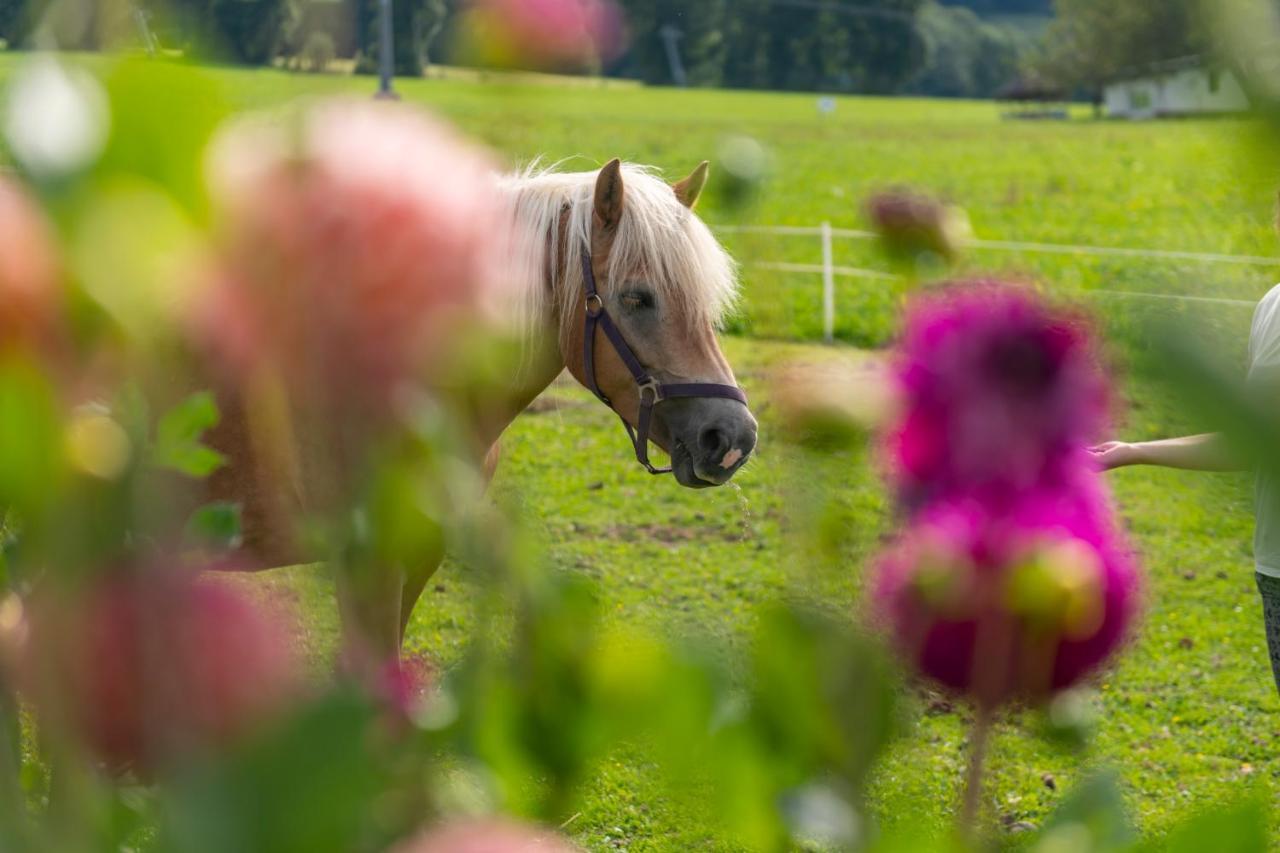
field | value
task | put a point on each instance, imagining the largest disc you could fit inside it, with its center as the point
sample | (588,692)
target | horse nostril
(713,442)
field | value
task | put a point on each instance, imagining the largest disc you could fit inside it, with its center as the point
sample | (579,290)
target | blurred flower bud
(1056,588)
(1071,718)
(486,836)
(14,632)
(834,403)
(96,445)
(1000,392)
(145,668)
(57,119)
(30,290)
(914,227)
(1011,604)
(543,34)
(742,165)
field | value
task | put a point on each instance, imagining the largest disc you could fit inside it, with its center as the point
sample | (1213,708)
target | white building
(1176,88)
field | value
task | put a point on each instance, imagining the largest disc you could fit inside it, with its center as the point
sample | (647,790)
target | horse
(627,287)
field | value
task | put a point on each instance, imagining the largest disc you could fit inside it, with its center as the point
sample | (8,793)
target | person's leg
(1269,587)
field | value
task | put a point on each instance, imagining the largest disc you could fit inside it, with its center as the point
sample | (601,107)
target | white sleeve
(1264,336)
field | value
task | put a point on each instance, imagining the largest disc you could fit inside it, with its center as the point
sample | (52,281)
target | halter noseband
(650,390)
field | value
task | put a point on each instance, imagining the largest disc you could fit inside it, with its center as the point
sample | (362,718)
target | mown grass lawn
(1188,718)
(1190,714)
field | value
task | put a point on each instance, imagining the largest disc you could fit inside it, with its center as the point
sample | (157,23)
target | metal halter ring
(594,305)
(653,386)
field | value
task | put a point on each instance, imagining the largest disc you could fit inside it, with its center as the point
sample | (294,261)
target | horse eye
(637,299)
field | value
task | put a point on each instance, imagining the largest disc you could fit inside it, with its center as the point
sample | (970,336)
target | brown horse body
(663,279)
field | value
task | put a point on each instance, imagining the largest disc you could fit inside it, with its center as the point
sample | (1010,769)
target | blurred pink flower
(30,292)
(1000,393)
(545,34)
(358,244)
(1009,604)
(147,667)
(486,836)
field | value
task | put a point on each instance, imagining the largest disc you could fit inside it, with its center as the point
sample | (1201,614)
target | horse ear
(690,188)
(608,200)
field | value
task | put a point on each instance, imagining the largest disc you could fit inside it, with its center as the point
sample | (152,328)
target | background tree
(778,45)
(1006,7)
(1091,41)
(252,32)
(965,55)
(14,20)
(702,41)
(416,25)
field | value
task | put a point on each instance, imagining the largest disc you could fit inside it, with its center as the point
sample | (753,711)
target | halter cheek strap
(649,389)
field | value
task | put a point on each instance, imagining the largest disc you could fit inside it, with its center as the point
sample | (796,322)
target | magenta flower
(1000,393)
(545,34)
(145,668)
(357,245)
(1010,604)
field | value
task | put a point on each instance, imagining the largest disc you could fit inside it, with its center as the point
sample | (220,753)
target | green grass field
(1190,714)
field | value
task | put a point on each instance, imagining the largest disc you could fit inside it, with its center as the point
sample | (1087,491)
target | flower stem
(973,778)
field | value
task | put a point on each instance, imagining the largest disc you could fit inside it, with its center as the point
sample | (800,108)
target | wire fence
(830,271)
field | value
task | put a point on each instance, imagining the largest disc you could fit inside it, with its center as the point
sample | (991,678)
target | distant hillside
(989,8)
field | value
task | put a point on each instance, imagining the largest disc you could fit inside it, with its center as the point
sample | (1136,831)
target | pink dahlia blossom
(1007,604)
(357,243)
(1000,393)
(30,291)
(545,33)
(143,668)
(486,836)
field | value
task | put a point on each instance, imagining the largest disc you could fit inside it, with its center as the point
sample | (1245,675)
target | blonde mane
(657,237)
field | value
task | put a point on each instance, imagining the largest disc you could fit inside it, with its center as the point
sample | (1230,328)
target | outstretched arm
(1208,452)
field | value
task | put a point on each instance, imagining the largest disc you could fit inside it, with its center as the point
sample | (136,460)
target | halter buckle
(594,305)
(652,385)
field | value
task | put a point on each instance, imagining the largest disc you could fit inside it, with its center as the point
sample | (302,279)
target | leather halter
(649,389)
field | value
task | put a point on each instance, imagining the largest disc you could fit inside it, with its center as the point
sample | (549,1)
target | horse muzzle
(710,439)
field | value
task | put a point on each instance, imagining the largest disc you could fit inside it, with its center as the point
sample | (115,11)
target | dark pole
(386,52)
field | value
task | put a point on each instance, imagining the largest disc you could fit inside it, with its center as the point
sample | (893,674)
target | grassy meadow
(1188,717)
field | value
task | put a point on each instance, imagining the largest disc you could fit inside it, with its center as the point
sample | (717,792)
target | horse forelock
(657,239)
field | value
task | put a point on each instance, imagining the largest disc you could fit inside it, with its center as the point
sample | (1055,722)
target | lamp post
(386,53)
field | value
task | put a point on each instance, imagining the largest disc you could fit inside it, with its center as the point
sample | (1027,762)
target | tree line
(874,46)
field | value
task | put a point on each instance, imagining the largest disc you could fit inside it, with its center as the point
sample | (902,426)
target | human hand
(1115,454)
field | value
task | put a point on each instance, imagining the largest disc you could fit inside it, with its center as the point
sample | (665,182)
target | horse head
(651,269)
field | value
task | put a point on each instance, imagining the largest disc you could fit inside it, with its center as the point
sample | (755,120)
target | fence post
(828,287)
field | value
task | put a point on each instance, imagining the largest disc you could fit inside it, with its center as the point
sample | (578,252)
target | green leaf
(1238,828)
(178,434)
(1091,818)
(30,441)
(217,524)
(308,786)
